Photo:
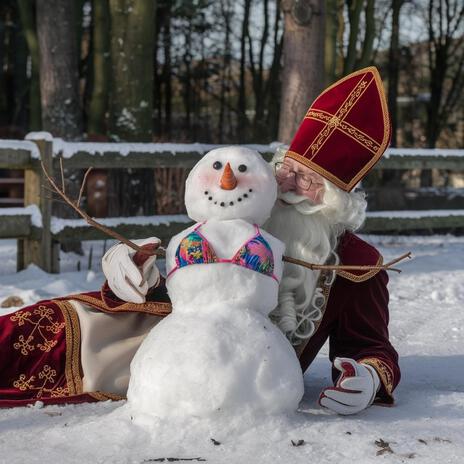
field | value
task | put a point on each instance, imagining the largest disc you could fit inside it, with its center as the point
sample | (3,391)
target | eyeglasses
(304,181)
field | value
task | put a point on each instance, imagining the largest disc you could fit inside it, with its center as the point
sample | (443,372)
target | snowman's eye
(242,168)
(217,165)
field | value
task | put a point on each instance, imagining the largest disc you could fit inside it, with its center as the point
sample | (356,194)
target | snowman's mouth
(236,200)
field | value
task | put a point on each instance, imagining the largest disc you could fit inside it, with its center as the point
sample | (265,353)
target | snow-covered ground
(425,425)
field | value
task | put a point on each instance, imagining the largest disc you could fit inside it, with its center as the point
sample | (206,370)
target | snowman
(218,353)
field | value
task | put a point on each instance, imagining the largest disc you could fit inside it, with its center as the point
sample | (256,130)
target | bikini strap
(198,226)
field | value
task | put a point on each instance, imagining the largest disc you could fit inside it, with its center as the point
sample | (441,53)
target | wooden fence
(39,234)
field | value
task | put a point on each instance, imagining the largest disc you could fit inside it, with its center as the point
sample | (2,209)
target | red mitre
(346,130)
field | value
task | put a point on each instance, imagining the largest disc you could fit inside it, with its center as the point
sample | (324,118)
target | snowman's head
(231,183)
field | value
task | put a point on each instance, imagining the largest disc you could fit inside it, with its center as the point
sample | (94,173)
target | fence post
(44,252)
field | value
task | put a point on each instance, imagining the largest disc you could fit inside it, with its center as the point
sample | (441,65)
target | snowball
(226,362)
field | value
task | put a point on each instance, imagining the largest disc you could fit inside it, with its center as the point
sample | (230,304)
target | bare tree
(445,24)
(303,56)
(26,9)
(58,62)
(226,12)
(132,44)
(358,21)
(273,86)
(98,104)
(131,99)
(242,117)
(257,72)
(446,63)
(394,65)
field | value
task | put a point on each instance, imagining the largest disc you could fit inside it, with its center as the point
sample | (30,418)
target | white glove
(355,389)
(127,281)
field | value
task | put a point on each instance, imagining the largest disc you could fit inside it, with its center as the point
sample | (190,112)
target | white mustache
(301,203)
(291,198)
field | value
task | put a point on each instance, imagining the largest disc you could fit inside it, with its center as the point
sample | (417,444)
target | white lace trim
(307,318)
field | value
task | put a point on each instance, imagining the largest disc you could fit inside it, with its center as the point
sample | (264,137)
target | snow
(58,224)
(417,214)
(32,210)
(425,425)
(39,136)
(69,149)
(423,152)
(21,145)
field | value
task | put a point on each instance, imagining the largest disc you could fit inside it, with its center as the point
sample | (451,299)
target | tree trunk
(157,77)
(21,82)
(58,62)
(101,67)
(330,45)
(369,36)
(354,13)
(393,67)
(242,122)
(167,70)
(188,79)
(226,14)
(303,55)
(131,100)
(4,88)
(132,44)
(27,14)
(273,86)
(259,126)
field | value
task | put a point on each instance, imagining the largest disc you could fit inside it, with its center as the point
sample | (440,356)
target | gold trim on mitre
(382,146)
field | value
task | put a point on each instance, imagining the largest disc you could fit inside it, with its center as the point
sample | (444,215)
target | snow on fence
(39,234)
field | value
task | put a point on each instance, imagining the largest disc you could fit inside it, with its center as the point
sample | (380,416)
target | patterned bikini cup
(255,254)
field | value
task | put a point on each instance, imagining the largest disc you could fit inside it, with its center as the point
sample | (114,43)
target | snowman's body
(217,352)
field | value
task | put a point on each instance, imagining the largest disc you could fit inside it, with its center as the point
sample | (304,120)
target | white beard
(309,236)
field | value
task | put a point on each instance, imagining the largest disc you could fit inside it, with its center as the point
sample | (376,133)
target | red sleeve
(361,331)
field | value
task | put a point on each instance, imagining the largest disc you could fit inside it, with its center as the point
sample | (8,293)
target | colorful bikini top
(255,254)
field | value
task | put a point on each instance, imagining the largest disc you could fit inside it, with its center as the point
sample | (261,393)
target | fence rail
(39,234)
(24,155)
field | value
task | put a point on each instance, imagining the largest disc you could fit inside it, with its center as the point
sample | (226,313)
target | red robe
(356,318)
(40,343)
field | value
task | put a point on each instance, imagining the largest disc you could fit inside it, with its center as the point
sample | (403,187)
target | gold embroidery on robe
(40,321)
(44,380)
(73,342)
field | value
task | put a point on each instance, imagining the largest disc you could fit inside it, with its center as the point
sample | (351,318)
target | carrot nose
(228,180)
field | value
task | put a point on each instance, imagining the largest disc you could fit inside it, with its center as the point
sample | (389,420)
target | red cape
(40,344)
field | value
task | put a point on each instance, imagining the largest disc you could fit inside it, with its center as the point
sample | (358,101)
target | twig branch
(92,221)
(62,175)
(81,191)
(330,267)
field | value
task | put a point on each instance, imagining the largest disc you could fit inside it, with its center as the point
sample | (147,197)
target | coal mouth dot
(230,203)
